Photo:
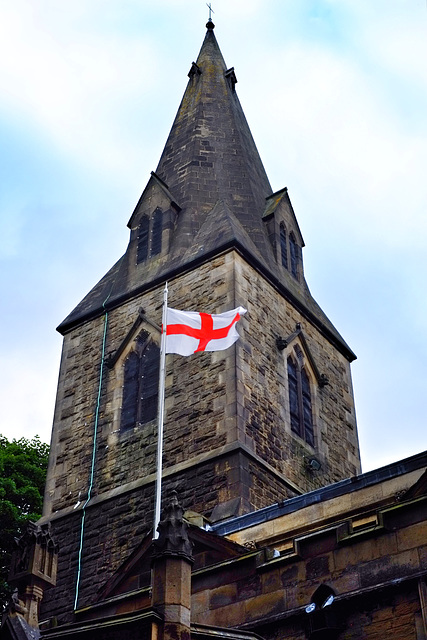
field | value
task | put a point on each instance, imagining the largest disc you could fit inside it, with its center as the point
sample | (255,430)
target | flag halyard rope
(92,470)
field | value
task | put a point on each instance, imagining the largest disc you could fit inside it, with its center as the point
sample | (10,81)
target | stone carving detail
(195,71)
(32,571)
(173,537)
(15,605)
(251,545)
(35,554)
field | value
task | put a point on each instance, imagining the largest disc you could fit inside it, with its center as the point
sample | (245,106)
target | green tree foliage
(23,465)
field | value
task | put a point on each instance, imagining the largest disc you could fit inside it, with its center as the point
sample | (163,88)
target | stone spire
(214,195)
(210,154)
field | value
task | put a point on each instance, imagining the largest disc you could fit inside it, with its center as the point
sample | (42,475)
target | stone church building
(269,528)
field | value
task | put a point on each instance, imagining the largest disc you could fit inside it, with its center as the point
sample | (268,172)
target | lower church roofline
(199,631)
(205,631)
(66,326)
(337,489)
(77,629)
(363,592)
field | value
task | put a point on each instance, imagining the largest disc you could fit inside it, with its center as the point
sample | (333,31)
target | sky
(335,93)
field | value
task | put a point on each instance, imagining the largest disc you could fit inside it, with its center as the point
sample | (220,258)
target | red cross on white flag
(189,331)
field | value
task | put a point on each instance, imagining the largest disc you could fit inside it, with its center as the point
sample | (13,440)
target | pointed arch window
(323,619)
(283,246)
(140,384)
(294,255)
(300,404)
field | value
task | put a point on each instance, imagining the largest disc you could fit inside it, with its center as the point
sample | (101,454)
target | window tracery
(300,402)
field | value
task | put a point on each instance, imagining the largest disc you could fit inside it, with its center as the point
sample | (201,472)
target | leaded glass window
(283,246)
(300,406)
(140,384)
(294,255)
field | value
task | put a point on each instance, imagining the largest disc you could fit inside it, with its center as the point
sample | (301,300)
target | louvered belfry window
(149,243)
(283,246)
(141,382)
(156,234)
(300,401)
(294,255)
(143,237)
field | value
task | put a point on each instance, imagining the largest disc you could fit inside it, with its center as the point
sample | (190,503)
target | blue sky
(335,93)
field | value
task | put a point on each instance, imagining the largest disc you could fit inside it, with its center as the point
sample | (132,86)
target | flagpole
(158,493)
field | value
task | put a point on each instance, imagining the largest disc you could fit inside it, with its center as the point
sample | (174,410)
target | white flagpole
(158,498)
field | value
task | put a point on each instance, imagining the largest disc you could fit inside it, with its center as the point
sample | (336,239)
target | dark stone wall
(377,576)
(218,405)
(213,400)
(115,527)
(263,409)
(200,410)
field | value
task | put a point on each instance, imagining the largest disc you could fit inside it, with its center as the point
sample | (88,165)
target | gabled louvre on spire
(214,195)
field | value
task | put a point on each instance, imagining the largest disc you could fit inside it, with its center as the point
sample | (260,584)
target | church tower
(270,418)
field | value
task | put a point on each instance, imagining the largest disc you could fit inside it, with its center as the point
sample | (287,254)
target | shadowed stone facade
(213,401)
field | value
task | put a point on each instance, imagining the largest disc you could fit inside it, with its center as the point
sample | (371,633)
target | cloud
(71,82)
(10,234)
(29,387)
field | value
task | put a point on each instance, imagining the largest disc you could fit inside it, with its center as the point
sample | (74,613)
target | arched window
(143,230)
(156,235)
(323,596)
(149,383)
(323,620)
(283,246)
(300,400)
(293,247)
(140,385)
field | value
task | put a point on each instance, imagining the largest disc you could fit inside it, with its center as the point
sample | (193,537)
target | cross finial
(211,11)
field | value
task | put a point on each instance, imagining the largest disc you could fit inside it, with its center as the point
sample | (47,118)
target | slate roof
(16,628)
(211,172)
(341,488)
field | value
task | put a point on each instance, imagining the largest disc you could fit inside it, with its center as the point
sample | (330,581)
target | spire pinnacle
(210,25)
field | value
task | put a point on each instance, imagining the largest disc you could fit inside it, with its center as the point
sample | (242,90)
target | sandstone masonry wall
(375,581)
(227,430)
(212,399)
(200,395)
(263,395)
